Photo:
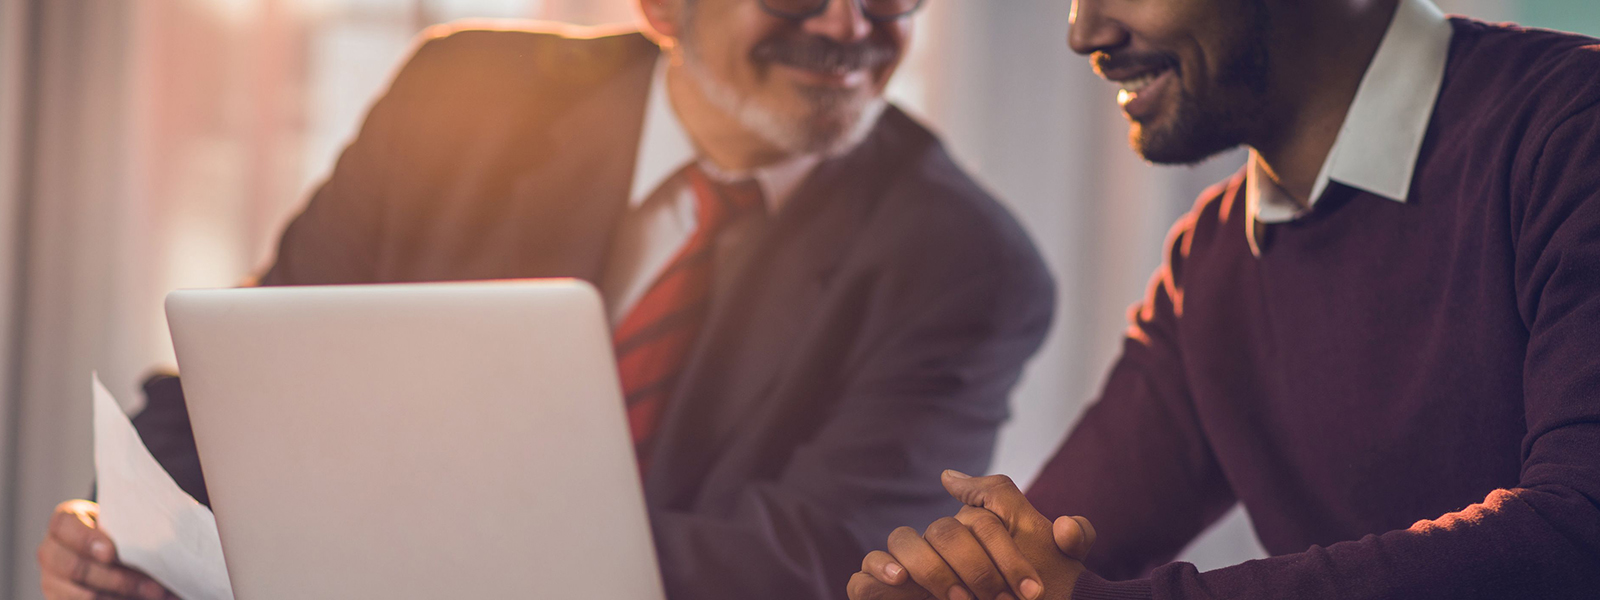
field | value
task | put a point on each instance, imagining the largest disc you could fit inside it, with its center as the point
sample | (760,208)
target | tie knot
(718,203)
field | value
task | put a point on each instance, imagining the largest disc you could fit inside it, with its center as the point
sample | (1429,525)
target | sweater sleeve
(1539,539)
(1139,450)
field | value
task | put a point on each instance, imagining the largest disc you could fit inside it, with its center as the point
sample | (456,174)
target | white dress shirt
(661,209)
(1381,138)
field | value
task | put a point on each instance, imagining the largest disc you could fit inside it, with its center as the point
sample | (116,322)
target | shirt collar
(665,148)
(1379,143)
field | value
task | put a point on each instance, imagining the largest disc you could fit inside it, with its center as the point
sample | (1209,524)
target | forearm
(1518,543)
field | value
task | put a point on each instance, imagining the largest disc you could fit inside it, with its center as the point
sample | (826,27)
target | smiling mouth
(831,77)
(1141,90)
(1136,84)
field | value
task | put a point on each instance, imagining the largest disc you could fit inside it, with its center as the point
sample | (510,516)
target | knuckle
(1003,483)
(944,529)
(990,530)
(859,584)
(901,534)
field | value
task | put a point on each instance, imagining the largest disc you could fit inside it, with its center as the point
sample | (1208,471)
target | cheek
(896,35)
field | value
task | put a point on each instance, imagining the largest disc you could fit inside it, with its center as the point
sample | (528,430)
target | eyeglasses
(876,10)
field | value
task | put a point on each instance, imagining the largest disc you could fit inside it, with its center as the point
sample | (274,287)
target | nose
(843,21)
(1092,29)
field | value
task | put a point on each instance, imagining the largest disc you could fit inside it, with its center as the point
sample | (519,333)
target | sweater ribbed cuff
(1092,587)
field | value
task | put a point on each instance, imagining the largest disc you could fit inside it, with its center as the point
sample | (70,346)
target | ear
(662,17)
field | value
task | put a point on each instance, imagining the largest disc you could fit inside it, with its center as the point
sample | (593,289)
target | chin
(827,124)
(1182,141)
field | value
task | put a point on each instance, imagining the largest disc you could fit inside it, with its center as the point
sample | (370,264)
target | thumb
(995,493)
(1074,536)
(963,487)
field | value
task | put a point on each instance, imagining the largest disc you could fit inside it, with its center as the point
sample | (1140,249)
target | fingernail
(101,550)
(959,593)
(892,570)
(957,474)
(1030,589)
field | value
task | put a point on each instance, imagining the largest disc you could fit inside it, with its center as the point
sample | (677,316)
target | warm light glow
(1466,517)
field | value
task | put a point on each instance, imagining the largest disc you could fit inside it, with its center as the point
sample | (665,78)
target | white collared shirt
(1379,143)
(661,210)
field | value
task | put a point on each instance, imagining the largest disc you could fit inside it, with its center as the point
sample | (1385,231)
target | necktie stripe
(661,386)
(662,326)
(681,286)
(690,260)
(654,339)
(656,361)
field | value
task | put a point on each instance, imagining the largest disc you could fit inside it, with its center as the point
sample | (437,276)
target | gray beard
(836,124)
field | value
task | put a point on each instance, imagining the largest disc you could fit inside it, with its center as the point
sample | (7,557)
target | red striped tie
(654,339)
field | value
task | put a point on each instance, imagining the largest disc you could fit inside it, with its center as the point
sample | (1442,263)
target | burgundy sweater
(1404,397)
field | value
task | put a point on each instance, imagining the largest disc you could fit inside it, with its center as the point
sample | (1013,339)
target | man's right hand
(997,548)
(79,562)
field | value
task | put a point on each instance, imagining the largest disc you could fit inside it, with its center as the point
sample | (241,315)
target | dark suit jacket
(868,341)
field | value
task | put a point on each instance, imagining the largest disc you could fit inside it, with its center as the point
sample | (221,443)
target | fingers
(865,586)
(881,566)
(925,566)
(76,558)
(1002,549)
(997,493)
(73,570)
(56,588)
(74,525)
(960,548)
(1074,536)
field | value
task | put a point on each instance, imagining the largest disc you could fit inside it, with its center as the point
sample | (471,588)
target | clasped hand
(998,547)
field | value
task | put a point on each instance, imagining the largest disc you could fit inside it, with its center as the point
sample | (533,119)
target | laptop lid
(415,441)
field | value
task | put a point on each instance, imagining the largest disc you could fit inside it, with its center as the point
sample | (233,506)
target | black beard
(1202,127)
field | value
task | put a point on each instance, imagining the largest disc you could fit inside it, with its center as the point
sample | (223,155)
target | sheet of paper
(157,527)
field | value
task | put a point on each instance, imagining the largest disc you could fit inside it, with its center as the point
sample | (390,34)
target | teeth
(1133,86)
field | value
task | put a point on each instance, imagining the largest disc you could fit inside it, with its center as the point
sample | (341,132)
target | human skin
(956,557)
(726,39)
(1197,77)
(77,560)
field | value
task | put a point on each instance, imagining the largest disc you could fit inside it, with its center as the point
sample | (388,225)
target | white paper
(156,526)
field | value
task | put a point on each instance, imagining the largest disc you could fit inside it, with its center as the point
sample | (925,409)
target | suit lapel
(759,311)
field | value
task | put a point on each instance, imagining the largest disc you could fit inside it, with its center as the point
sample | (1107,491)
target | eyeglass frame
(823,7)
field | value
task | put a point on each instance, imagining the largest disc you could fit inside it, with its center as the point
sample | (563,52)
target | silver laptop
(415,441)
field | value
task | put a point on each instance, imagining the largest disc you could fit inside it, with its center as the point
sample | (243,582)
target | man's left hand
(999,547)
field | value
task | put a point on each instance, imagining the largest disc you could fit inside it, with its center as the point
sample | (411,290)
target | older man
(816,311)
(1382,336)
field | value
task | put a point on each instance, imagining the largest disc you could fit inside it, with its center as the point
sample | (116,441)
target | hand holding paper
(157,527)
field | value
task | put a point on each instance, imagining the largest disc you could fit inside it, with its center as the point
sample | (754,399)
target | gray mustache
(822,54)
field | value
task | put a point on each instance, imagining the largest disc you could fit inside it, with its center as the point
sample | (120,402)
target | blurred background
(148,145)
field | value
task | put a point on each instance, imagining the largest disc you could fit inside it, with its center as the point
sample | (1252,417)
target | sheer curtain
(158,144)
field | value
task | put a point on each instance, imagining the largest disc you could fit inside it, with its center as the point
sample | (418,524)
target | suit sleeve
(1540,539)
(333,240)
(931,397)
